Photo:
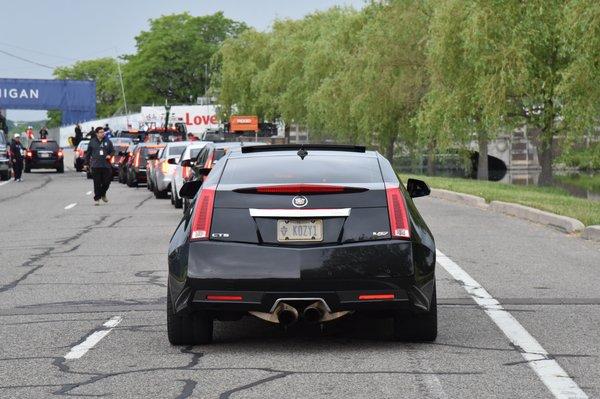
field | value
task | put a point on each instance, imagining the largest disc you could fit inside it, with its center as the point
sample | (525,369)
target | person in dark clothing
(16,156)
(97,157)
(78,135)
(43,133)
(90,134)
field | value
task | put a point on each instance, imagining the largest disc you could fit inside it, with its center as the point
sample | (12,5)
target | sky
(61,32)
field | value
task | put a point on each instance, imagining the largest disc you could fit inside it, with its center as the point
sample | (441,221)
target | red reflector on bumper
(224,297)
(376,297)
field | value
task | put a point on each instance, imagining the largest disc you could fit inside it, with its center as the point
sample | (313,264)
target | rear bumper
(44,164)
(262,274)
(140,176)
(163,182)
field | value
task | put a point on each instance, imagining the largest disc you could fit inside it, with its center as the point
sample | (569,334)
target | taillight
(300,189)
(112,159)
(376,297)
(203,214)
(224,297)
(60,154)
(164,167)
(397,212)
(136,161)
(29,154)
(185,172)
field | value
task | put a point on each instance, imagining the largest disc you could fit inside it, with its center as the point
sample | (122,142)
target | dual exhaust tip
(287,314)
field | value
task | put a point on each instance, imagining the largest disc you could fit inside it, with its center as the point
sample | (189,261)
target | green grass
(550,199)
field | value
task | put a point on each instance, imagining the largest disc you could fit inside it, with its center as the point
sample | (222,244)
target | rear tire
(60,169)
(27,169)
(5,175)
(178,202)
(159,194)
(190,329)
(417,327)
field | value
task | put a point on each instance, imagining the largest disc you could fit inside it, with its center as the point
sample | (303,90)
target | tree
(580,85)
(173,57)
(472,59)
(543,63)
(241,60)
(108,90)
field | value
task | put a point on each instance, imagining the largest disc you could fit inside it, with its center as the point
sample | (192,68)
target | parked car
(5,165)
(124,161)
(207,157)
(162,171)
(316,232)
(183,173)
(136,170)
(44,154)
(79,155)
(120,144)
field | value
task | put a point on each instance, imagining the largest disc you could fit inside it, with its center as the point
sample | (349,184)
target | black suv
(44,154)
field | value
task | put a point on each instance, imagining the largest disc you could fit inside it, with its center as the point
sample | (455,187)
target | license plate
(42,155)
(299,230)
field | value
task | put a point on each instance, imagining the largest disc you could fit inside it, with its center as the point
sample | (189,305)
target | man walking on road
(97,157)
(16,156)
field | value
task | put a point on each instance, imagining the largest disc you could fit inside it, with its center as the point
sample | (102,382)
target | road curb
(563,223)
(592,233)
(466,199)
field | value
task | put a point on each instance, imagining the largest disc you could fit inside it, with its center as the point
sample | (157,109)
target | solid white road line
(548,370)
(70,206)
(5,182)
(79,350)
(88,193)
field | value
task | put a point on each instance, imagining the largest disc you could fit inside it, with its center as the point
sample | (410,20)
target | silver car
(163,170)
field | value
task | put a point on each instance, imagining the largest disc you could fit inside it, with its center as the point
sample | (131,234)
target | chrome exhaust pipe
(314,313)
(286,314)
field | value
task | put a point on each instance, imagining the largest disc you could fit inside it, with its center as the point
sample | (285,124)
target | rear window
(2,138)
(50,145)
(83,145)
(219,152)
(291,169)
(176,150)
(145,151)
(120,148)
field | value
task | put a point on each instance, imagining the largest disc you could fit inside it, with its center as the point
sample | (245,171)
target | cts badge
(300,201)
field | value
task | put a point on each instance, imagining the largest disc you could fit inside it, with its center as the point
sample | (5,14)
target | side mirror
(189,189)
(187,162)
(417,188)
(171,161)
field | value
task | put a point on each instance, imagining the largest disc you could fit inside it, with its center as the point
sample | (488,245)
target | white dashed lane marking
(71,206)
(548,370)
(81,349)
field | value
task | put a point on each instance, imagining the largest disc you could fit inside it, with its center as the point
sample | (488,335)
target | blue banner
(75,98)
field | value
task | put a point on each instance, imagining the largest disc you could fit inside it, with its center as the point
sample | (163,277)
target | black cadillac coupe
(313,233)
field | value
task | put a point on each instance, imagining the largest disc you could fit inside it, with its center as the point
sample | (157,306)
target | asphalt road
(82,312)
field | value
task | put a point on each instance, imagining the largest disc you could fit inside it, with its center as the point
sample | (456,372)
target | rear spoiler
(291,147)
